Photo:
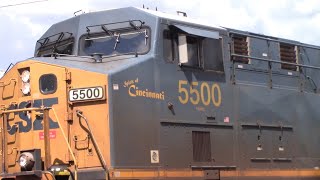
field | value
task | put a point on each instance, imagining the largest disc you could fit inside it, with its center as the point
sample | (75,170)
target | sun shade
(198,32)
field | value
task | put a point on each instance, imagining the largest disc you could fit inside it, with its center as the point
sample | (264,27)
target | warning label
(52,135)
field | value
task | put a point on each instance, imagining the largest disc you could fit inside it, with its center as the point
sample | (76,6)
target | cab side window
(192,50)
(212,54)
(48,84)
(170,45)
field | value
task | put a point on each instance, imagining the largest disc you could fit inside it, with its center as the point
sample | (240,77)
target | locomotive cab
(129,37)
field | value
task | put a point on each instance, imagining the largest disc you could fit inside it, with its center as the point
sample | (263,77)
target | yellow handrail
(69,147)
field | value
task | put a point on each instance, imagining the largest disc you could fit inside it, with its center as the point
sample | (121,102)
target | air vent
(201,146)
(288,54)
(240,47)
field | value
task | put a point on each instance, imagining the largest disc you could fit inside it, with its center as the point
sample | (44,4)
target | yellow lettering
(182,90)
(139,93)
(205,87)
(216,98)
(193,90)
(132,87)
(206,94)
(134,91)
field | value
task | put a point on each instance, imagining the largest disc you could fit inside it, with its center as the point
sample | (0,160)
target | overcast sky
(21,26)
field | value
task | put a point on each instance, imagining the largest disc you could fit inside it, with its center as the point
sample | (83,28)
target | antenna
(78,12)
(184,14)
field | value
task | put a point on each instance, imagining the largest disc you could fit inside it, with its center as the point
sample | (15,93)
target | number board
(85,94)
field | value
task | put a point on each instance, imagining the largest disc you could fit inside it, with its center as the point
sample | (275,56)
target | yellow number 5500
(192,93)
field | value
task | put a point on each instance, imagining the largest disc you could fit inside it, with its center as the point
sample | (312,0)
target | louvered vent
(201,146)
(240,47)
(288,54)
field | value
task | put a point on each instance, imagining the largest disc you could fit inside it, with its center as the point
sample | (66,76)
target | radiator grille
(288,54)
(240,47)
(201,146)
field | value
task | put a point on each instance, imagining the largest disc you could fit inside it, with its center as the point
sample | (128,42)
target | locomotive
(133,93)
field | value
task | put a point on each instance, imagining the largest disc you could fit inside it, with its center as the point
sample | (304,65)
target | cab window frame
(53,46)
(120,30)
(55,85)
(170,45)
(203,57)
(194,52)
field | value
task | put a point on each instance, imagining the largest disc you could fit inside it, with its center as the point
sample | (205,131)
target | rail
(69,147)
(59,38)
(46,127)
(270,61)
(131,23)
(95,144)
(273,39)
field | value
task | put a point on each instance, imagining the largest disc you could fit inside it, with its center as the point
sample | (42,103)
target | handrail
(274,39)
(69,147)
(4,142)
(21,110)
(47,39)
(270,61)
(274,61)
(8,68)
(102,161)
(106,30)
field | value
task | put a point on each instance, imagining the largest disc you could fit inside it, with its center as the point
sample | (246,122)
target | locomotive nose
(41,104)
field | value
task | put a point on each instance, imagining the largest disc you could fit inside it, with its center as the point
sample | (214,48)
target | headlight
(25,88)
(26,161)
(23,161)
(25,76)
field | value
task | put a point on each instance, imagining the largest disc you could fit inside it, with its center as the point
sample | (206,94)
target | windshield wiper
(123,54)
(136,27)
(117,41)
(145,37)
(106,30)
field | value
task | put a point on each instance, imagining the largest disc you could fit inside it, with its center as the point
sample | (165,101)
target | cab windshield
(115,43)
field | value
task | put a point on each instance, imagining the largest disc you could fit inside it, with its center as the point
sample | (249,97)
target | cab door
(49,88)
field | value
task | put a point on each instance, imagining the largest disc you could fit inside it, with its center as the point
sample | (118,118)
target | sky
(21,26)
